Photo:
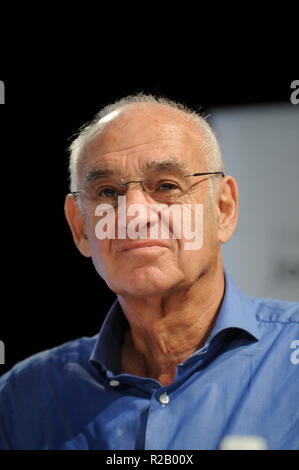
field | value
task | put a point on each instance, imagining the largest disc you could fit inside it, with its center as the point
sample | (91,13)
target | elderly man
(183,359)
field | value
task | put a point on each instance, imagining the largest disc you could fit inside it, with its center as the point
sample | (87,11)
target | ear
(227,208)
(76,223)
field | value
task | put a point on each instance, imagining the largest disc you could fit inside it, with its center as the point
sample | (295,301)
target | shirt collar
(236,311)
(107,348)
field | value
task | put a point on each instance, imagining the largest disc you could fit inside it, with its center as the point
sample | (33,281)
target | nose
(135,193)
(137,202)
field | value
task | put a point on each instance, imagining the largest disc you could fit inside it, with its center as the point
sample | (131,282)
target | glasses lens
(161,187)
(104,191)
(165,188)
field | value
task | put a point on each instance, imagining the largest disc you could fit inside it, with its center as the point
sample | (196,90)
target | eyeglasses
(161,188)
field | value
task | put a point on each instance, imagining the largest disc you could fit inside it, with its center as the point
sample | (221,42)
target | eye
(108,192)
(166,186)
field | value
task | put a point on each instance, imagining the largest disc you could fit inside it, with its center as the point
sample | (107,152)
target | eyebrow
(98,173)
(170,164)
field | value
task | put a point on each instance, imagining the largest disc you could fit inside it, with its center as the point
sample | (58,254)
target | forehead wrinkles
(140,123)
(138,161)
(116,138)
(127,136)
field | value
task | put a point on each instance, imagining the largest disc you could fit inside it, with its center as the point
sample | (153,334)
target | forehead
(134,138)
(167,166)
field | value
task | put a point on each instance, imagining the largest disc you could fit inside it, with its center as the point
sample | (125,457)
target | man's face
(128,146)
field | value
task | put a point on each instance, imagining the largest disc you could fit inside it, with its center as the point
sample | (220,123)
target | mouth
(143,245)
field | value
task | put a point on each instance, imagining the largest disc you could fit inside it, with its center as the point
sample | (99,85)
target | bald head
(139,123)
(134,121)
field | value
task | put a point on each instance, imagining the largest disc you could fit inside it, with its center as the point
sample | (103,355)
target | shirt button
(114,383)
(164,399)
(200,353)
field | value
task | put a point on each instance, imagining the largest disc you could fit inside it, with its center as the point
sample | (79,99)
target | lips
(142,244)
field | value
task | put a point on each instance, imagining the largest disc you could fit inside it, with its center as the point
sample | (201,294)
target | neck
(164,332)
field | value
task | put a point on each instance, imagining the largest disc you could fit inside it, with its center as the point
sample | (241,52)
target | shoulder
(278,324)
(276,311)
(35,390)
(40,366)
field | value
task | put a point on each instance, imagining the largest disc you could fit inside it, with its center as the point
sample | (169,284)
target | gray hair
(85,132)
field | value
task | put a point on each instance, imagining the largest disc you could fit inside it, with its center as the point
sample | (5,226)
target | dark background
(50,292)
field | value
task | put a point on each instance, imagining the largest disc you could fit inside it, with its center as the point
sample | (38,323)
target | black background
(50,292)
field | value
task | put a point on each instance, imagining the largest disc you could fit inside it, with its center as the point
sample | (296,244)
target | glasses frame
(79,191)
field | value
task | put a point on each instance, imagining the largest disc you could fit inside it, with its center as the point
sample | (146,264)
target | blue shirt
(244,381)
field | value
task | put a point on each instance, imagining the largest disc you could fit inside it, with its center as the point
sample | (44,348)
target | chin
(145,282)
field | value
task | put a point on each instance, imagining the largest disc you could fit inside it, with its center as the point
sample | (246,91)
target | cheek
(190,225)
(210,235)
(100,249)
(101,254)
(204,244)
